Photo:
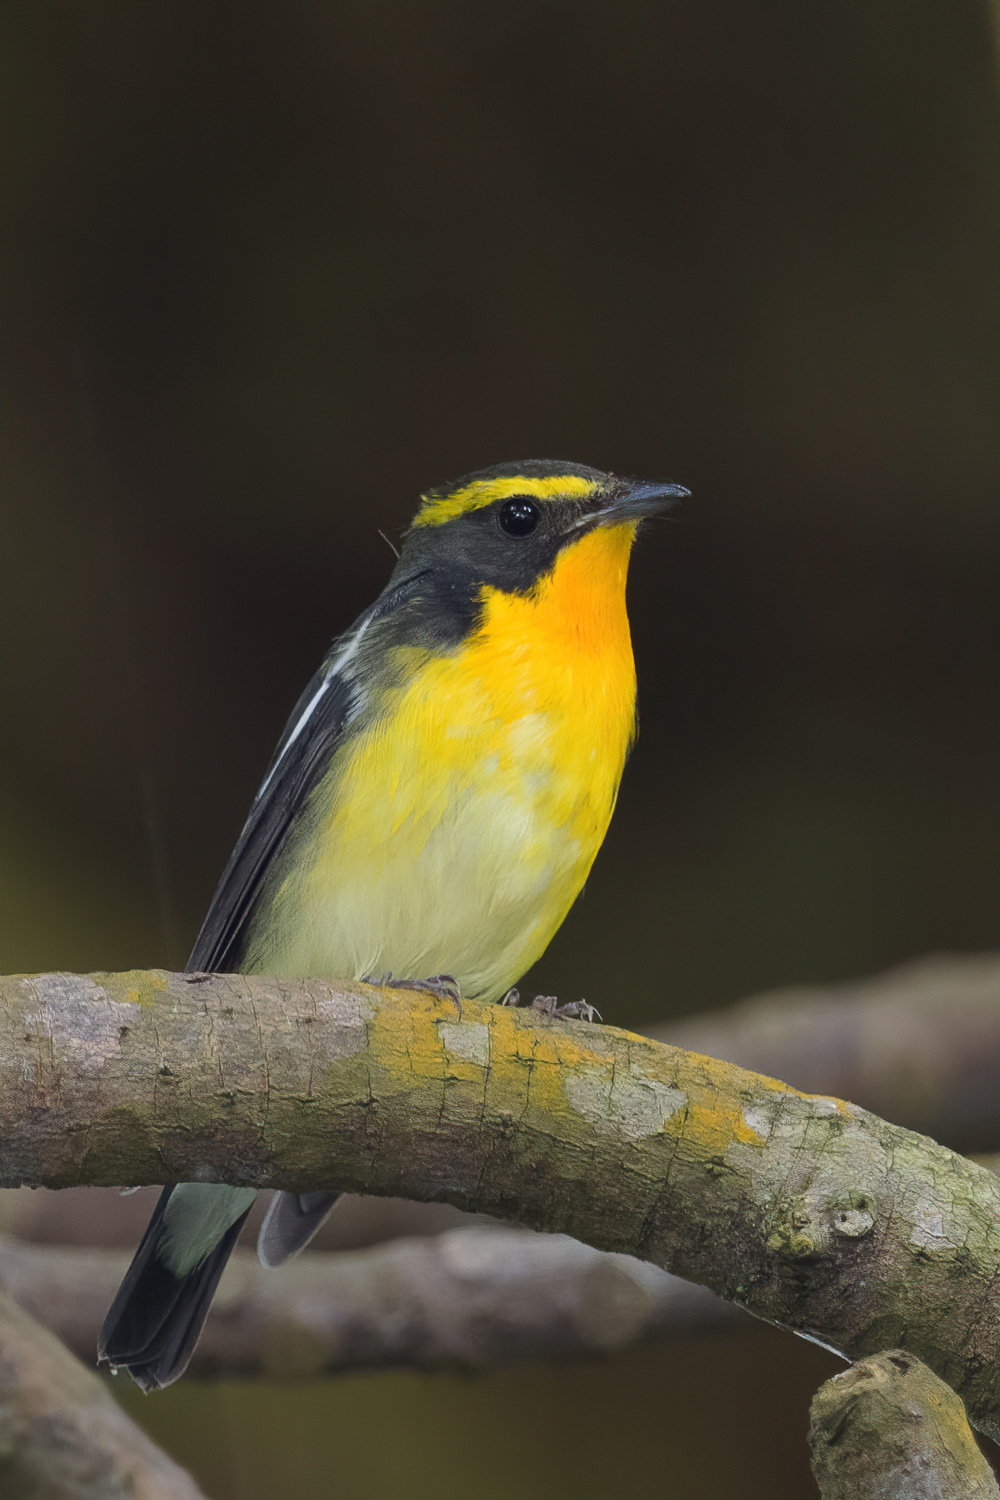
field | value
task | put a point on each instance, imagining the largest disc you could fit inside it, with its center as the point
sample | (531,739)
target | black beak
(632,502)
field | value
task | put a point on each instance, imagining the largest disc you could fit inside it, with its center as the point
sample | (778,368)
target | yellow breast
(457,829)
(555,670)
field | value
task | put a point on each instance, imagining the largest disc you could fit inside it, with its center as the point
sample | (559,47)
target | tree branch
(888,1428)
(116,1219)
(919,1045)
(62,1434)
(469,1299)
(809,1212)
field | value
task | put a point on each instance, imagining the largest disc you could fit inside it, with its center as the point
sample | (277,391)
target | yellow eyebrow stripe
(436,509)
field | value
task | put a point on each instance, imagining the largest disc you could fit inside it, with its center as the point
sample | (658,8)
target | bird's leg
(548,1005)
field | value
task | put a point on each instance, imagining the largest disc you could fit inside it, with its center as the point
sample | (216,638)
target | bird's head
(508,527)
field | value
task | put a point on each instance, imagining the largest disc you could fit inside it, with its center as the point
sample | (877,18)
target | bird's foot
(548,1005)
(443,986)
(573,1010)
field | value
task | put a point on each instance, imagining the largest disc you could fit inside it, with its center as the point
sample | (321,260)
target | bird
(429,816)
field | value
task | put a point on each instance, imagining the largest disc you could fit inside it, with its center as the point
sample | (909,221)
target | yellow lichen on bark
(806,1210)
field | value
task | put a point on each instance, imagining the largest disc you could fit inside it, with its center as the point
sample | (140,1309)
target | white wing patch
(304,718)
(346,654)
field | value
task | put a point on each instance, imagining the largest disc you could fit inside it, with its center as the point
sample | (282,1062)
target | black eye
(519,517)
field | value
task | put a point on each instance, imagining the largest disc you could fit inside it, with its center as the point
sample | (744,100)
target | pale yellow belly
(456,844)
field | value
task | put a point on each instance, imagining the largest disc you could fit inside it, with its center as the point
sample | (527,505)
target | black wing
(293,772)
(315,727)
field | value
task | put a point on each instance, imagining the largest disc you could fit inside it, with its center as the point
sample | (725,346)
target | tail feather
(154,1322)
(290,1223)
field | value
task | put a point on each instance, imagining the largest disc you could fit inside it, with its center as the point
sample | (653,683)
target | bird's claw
(548,1005)
(443,986)
(573,1010)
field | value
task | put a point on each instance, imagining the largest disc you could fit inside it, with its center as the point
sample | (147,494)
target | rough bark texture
(889,1429)
(919,1045)
(469,1299)
(807,1211)
(62,1434)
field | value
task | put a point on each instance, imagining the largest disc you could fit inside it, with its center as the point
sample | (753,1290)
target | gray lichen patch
(347,1018)
(928,1230)
(629,1103)
(78,1017)
(470,1042)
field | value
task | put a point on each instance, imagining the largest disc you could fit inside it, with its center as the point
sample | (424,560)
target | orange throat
(573,622)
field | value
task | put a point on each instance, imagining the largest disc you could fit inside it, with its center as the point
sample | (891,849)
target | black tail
(289,1225)
(154,1322)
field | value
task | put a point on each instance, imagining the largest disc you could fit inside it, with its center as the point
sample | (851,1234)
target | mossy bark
(805,1210)
(63,1435)
(889,1428)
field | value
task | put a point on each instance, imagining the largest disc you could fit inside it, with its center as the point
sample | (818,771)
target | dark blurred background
(270,270)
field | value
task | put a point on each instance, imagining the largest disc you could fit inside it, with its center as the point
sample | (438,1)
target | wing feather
(315,727)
